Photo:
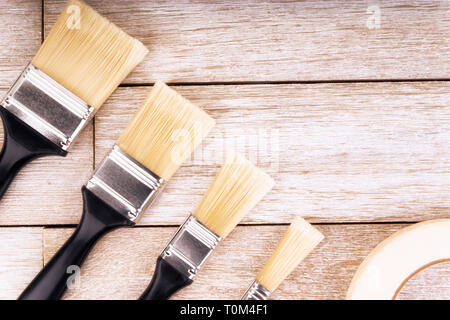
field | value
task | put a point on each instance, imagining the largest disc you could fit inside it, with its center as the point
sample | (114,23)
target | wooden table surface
(344,103)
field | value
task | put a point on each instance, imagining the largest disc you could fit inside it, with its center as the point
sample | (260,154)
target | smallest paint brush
(299,240)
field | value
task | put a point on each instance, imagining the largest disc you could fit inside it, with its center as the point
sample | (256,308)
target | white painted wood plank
(121,265)
(47,190)
(338,152)
(204,41)
(20,259)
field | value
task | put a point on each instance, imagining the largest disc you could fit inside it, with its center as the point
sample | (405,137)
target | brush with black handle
(237,188)
(79,65)
(162,134)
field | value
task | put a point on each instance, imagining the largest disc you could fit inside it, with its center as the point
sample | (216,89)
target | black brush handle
(98,218)
(21,145)
(165,282)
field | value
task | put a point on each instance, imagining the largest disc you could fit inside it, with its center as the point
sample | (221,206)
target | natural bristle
(87,54)
(300,239)
(165,131)
(237,188)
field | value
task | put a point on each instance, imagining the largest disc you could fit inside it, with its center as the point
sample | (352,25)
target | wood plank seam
(42,21)
(287,82)
(43,246)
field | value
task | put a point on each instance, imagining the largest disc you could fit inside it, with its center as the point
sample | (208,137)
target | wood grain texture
(204,41)
(20,37)
(121,265)
(48,190)
(338,152)
(20,259)
(430,283)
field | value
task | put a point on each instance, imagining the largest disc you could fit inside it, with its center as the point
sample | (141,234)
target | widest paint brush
(162,134)
(237,188)
(80,63)
(299,240)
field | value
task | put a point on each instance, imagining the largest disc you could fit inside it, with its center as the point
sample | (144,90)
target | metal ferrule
(124,184)
(190,247)
(256,292)
(47,107)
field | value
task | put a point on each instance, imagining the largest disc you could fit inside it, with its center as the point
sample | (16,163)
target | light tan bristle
(299,240)
(237,188)
(87,54)
(164,131)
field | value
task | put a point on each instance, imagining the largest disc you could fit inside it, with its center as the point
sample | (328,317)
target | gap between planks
(374,120)
(287,82)
(338,223)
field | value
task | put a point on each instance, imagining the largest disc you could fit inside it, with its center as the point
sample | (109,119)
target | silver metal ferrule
(47,107)
(125,184)
(256,292)
(190,247)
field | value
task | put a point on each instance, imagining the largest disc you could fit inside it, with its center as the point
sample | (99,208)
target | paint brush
(237,188)
(299,240)
(80,63)
(163,133)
